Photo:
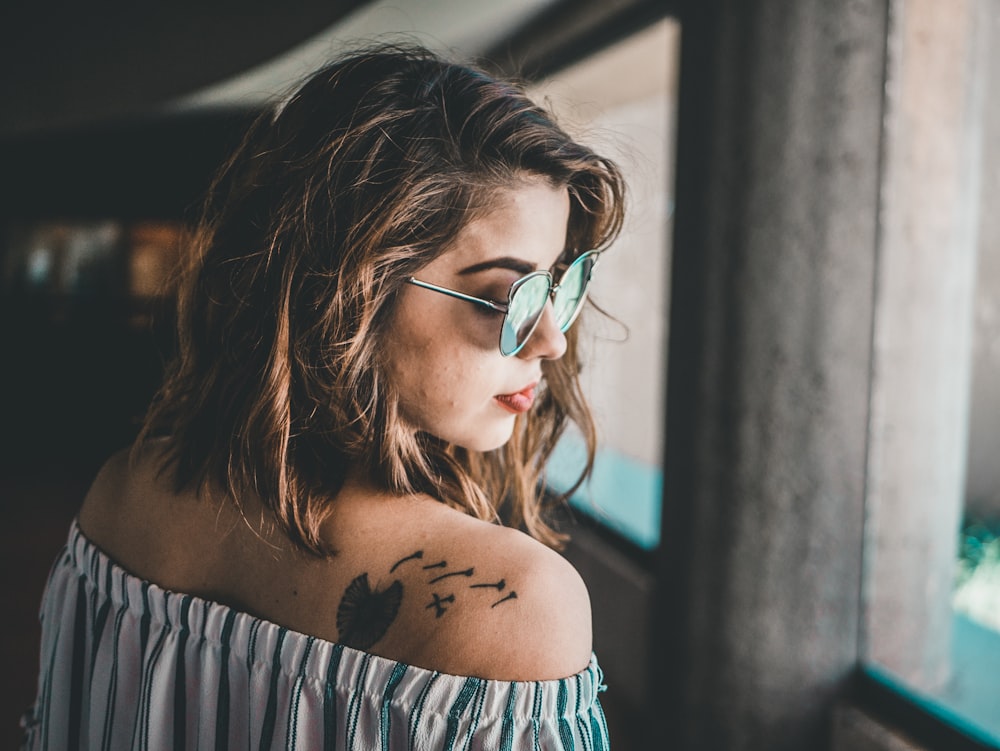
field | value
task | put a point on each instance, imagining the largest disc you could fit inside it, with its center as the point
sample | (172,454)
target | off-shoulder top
(126,664)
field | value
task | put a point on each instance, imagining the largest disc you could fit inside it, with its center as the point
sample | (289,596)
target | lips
(518,402)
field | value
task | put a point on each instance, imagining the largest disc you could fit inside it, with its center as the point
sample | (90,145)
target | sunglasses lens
(572,290)
(524,310)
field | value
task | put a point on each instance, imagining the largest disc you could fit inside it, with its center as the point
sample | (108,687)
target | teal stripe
(465,695)
(251,659)
(98,610)
(292,729)
(222,706)
(100,607)
(386,720)
(100,620)
(45,681)
(507,726)
(583,728)
(354,708)
(47,691)
(146,689)
(79,650)
(599,710)
(330,699)
(144,619)
(583,731)
(595,730)
(252,651)
(143,643)
(109,718)
(477,715)
(144,661)
(180,680)
(417,713)
(565,731)
(604,724)
(271,713)
(536,714)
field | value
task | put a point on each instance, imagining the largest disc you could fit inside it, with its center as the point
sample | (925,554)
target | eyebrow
(506,262)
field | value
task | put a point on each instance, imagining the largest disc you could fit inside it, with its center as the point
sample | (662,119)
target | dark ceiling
(63,66)
(69,66)
(83,127)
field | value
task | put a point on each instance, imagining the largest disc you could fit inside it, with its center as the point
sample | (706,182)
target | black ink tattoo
(499,586)
(365,615)
(439,564)
(467,572)
(511,596)
(439,603)
(416,556)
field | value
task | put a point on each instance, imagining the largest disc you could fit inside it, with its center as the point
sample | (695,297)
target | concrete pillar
(922,359)
(774,269)
(821,259)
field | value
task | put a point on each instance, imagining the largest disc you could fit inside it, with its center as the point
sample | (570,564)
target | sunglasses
(527,297)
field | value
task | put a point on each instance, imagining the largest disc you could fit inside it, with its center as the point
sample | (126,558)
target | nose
(547,341)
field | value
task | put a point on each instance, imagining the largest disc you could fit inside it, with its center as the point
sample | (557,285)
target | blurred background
(792,536)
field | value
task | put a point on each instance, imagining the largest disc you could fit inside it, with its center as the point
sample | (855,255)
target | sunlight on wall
(622,102)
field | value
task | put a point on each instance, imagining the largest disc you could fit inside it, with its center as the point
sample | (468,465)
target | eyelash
(488,312)
(496,294)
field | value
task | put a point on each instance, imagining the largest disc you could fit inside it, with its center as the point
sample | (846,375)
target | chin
(487,439)
(483,446)
(493,446)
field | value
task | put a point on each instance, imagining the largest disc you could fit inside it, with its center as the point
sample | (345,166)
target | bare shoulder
(131,515)
(546,633)
(101,505)
(492,602)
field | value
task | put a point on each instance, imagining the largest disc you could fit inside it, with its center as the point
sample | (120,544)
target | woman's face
(442,353)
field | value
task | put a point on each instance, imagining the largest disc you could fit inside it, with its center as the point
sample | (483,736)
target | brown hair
(309,231)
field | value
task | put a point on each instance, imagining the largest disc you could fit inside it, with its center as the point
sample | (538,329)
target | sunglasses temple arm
(452,293)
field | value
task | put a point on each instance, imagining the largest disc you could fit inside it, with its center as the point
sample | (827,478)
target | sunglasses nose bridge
(553,288)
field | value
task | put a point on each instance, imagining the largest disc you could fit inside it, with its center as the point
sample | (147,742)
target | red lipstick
(518,402)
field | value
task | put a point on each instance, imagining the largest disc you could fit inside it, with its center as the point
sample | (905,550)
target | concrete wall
(824,265)
(821,305)
(983,483)
(779,138)
(921,367)
(622,102)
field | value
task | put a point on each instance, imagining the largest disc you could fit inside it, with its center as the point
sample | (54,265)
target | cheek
(445,326)
(428,373)
(447,382)
(439,360)
(483,330)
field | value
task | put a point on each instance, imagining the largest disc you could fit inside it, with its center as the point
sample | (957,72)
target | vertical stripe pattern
(330,699)
(126,664)
(180,682)
(222,706)
(385,720)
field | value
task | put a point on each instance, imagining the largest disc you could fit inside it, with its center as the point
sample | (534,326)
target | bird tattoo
(364,614)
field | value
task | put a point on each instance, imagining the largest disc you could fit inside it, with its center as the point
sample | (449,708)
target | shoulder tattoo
(365,613)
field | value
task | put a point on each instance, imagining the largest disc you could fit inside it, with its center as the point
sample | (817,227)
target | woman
(302,548)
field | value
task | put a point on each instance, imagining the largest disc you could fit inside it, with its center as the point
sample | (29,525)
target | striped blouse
(128,665)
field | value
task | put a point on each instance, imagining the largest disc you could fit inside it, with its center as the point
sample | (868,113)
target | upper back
(412,580)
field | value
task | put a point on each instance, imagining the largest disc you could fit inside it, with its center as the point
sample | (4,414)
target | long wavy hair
(309,231)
